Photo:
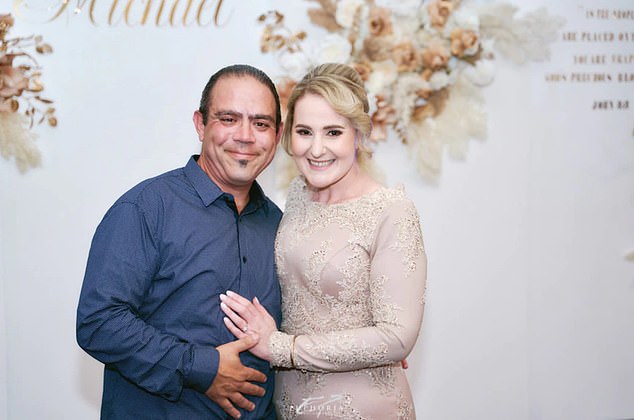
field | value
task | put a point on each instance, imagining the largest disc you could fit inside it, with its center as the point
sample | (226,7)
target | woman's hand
(245,317)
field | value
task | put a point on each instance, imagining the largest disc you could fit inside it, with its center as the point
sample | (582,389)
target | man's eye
(262,124)
(227,120)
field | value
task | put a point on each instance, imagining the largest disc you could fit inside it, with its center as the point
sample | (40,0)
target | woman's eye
(303,132)
(334,133)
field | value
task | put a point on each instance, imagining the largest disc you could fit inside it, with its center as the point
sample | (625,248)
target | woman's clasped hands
(244,317)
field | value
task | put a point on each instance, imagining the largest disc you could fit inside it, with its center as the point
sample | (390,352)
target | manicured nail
(223,296)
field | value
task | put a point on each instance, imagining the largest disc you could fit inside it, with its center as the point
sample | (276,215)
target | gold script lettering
(80,6)
(216,18)
(111,14)
(135,12)
(129,9)
(189,6)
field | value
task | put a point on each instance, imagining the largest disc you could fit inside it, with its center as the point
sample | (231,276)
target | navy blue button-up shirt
(149,306)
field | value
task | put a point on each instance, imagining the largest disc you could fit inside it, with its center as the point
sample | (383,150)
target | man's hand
(233,379)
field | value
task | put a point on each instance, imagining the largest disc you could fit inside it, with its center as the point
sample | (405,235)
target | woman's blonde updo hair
(341,86)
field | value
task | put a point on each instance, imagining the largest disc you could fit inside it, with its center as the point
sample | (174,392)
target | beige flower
(270,41)
(6,59)
(439,11)
(422,112)
(435,57)
(463,42)
(406,57)
(376,49)
(381,118)
(346,12)
(380,22)
(6,22)
(275,36)
(383,74)
(35,84)
(284,89)
(425,92)
(363,68)
(433,106)
(8,105)
(12,82)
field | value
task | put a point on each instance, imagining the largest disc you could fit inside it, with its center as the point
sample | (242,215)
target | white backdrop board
(530,302)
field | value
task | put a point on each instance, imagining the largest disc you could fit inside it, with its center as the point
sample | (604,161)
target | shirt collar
(209,192)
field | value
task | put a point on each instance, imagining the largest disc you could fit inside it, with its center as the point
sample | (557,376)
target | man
(149,305)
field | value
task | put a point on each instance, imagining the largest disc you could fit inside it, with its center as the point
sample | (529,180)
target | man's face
(239,139)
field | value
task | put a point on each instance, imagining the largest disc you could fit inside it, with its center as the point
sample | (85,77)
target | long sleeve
(380,318)
(123,260)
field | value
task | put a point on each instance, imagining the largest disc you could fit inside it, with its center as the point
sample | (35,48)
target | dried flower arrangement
(422,62)
(21,103)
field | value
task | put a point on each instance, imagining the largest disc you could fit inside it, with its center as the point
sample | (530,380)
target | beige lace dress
(353,283)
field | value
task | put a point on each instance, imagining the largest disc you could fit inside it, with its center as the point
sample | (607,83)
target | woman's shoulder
(389,197)
(296,194)
(296,189)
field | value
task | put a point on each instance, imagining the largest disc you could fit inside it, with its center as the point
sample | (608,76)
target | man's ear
(199,125)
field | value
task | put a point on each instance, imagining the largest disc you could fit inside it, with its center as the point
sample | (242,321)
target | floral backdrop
(423,63)
(21,102)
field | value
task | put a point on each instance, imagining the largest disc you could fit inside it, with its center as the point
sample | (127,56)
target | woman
(351,265)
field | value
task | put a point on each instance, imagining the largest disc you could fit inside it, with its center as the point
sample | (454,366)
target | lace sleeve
(397,278)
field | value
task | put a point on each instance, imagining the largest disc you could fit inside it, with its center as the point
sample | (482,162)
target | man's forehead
(245,88)
(230,82)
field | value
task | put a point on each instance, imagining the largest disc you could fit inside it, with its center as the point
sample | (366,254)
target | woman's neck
(354,184)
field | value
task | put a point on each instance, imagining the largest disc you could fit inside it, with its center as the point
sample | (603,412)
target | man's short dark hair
(240,70)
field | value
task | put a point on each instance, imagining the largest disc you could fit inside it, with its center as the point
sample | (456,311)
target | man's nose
(244,132)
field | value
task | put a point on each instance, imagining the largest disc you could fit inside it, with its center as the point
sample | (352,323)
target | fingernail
(229,293)
(223,296)
(256,299)
(223,305)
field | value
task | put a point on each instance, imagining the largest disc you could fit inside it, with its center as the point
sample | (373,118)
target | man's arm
(121,265)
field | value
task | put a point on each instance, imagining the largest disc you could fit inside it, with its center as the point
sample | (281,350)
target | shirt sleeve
(121,264)
(397,289)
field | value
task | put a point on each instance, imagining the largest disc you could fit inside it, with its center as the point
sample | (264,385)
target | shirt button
(244,260)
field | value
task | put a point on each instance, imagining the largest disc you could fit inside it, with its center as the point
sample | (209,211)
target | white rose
(488,46)
(467,18)
(333,48)
(438,80)
(383,74)
(346,9)
(482,73)
(295,65)
(401,7)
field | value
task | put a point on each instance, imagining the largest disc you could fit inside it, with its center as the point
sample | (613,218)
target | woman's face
(322,143)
